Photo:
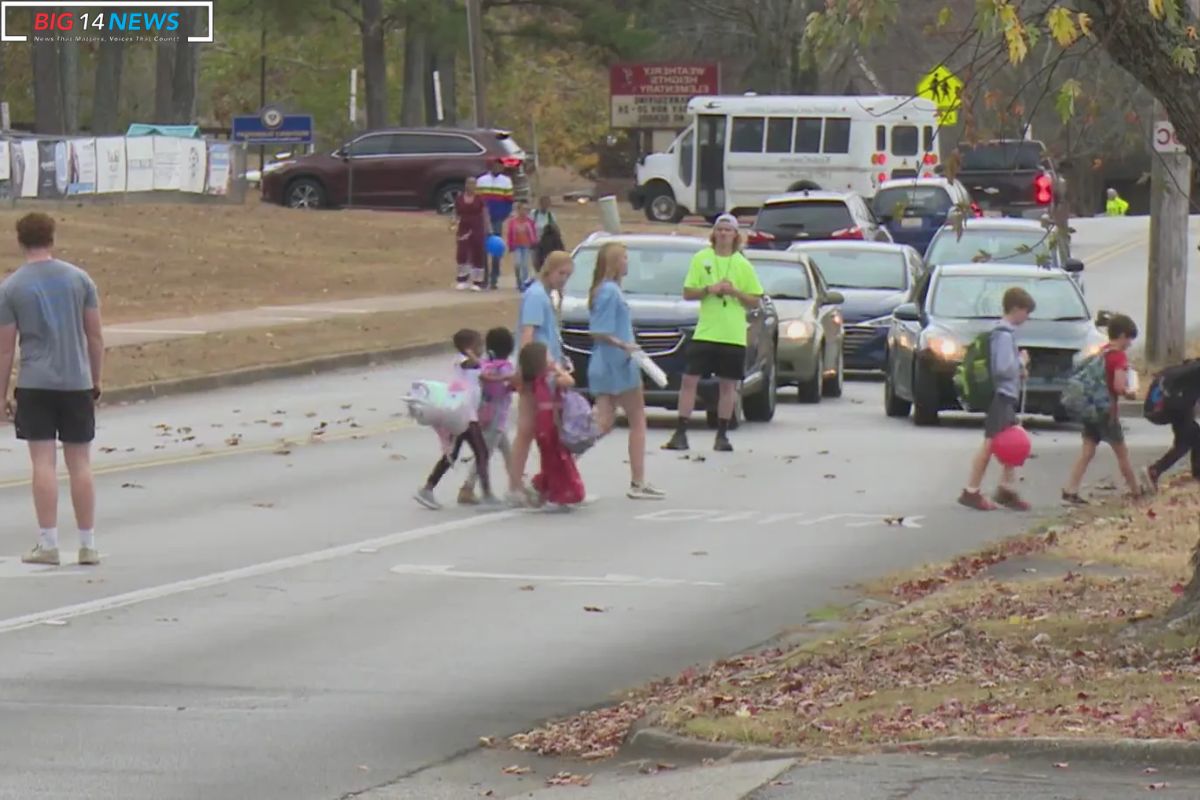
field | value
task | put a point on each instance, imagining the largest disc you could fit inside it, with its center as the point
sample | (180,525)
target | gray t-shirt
(46,300)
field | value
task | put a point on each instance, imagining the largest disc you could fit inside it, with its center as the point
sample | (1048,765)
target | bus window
(905,140)
(747,135)
(880,139)
(928,139)
(779,135)
(687,154)
(837,135)
(808,135)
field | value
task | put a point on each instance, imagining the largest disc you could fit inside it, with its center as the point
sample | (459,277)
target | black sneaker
(678,441)
(722,445)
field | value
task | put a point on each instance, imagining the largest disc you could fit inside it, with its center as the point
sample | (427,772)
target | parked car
(1001,241)
(953,304)
(873,278)
(914,209)
(404,167)
(663,322)
(1010,177)
(813,215)
(809,353)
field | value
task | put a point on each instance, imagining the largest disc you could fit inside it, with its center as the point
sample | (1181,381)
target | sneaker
(722,444)
(517,499)
(1073,499)
(89,556)
(466,497)
(460,286)
(644,491)
(975,500)
(556,508)
(1150,479)
(425,497)
(41,555)
(1011,500)
(475,287)
(490,503)
(678,441)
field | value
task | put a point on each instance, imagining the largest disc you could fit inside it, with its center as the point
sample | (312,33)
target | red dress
(559,481)
(472,234)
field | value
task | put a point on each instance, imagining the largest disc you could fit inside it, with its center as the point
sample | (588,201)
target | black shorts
(1001,415)
(727,361)
(49,414)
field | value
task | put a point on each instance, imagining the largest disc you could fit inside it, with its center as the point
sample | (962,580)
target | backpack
(973,377)
(1086,397)
(577,428)
(441,405)
(1167,395)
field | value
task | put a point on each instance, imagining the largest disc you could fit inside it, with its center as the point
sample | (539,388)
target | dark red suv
(402,167)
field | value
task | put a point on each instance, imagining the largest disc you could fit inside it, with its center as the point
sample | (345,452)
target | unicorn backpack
(441,405)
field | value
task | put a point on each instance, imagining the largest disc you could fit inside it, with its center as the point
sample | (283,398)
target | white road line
(448,571)
(241,573)
(158,331)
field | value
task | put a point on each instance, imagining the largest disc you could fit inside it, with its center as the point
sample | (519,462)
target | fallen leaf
(487,741)
(1178,588)
(699,552)
(283,451)
(364,768)
(829,476)
(1155,786)
(264,505)
(780,783)
(528,588)
(108,449)
(311,414)
(594,609)
(235,440)
(132,486)
(569,779)
(515,769)
(1062,765)
(487,793)
(276,424)
(1149,771)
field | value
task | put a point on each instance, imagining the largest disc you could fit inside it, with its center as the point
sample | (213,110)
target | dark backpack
(1167,394)
(973,377)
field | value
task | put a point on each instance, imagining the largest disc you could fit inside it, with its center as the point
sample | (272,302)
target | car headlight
(945,347)
(799,330)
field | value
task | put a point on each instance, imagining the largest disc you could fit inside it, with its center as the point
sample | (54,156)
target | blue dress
(610,369)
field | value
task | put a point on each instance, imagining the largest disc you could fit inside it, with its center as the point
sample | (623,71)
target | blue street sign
(271,127)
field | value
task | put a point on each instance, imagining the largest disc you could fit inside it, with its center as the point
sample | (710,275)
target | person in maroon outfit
(558,484)
(472,231)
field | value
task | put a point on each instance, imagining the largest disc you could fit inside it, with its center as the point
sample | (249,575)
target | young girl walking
(497,378)
(558,483)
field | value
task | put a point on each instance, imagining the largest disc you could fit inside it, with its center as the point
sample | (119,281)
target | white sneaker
(425,497)
(460,286)
(475,287)
(644,491)
(41,555)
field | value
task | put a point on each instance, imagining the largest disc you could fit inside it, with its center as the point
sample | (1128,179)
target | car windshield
(982,296)
(1031,247)
(1002,157)
(851,268)
(781,279)
(652,270)
(814,216)
(912,201)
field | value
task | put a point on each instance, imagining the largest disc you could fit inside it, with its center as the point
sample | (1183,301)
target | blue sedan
(873,278)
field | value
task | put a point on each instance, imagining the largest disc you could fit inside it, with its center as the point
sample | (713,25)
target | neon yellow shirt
(722,319)
(1117,207)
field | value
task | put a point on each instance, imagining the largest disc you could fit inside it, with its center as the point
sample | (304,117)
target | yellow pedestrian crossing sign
(944,88)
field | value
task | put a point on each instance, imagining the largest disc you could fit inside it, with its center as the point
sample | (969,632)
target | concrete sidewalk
(127,333)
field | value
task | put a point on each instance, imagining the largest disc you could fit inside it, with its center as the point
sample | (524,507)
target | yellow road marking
(1116,250)
(207,455)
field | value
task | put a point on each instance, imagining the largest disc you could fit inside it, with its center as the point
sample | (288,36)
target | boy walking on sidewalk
(1007,368)
(1121,332)
(1181,384)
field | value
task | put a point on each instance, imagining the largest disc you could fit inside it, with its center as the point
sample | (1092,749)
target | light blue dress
(537,309)
(610,369)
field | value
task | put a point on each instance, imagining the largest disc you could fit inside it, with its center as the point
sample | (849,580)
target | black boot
(678,440)
(722,445)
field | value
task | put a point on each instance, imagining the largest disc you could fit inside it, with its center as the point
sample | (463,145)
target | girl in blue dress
(613,376)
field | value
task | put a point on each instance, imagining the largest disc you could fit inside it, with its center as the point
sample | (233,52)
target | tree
(47,87)
(186,68)
(372,23)
(106,97)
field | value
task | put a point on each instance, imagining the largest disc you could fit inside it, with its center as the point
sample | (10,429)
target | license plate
(912,222)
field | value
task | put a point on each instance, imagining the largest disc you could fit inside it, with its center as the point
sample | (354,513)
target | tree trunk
(1187,610)
(416,66)
(374,62)
(68,55)
(47,88)
(185,70)
(164,77)
(106,98)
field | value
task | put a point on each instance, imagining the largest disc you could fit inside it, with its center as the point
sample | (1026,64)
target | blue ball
(495,246)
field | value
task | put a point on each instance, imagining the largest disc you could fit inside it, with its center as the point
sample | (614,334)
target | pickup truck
(1010,178)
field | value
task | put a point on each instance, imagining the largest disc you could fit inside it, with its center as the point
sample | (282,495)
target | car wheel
(834,386)
(925,404)
(761,407)
(305,193)
(893,404)
(444,197)
(661,205)
(810,390)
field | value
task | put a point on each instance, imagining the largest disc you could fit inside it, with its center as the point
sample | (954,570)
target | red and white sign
(655,96)
(1166,140)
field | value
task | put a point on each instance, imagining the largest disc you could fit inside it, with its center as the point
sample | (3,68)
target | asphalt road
(282,621)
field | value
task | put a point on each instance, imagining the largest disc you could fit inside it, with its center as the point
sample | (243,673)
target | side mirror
(1103,318)
(907,312)
(1073,265)
(833,299)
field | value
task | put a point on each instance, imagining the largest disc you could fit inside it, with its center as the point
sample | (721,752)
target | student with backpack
(1092,397)
(1006,369)
(1171,400)
(558,483)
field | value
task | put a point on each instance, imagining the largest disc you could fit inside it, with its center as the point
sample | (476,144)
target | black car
(807,216)
(663,322)
(952,305)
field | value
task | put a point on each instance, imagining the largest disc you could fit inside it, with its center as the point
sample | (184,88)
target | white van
(740,150)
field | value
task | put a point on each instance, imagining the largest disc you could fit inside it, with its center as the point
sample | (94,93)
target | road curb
(248,375)
(652,742)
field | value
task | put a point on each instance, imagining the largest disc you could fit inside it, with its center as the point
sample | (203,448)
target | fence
(121,169)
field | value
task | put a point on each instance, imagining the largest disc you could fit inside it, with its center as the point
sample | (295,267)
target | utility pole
(478,76)
(1170,195)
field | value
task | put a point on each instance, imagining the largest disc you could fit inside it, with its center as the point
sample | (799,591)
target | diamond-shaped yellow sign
(944,88)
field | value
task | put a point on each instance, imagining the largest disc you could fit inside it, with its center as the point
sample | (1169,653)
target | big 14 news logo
(123,21)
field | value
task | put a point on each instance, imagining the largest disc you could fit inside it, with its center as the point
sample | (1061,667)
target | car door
(829,317)
(369,161)
(903,339)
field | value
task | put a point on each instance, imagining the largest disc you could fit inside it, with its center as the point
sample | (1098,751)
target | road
(282,621)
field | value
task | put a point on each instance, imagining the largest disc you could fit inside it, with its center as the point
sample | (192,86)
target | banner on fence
(110,164)
(139,164)
(167,173)
(193,165)
(219,171)
(83,167)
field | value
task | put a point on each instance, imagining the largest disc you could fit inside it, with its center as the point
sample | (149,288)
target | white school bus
(739,150)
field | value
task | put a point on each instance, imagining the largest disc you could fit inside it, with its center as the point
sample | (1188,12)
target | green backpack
(973,378)
(1086,397)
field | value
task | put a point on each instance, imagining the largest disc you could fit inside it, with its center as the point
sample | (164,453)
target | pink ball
(1011,447)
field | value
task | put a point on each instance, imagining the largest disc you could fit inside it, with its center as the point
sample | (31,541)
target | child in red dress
(558,483)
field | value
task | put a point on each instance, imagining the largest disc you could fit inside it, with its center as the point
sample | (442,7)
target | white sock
(87,538)
(48,538)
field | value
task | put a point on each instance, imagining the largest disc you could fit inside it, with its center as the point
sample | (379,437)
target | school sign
(655,96)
